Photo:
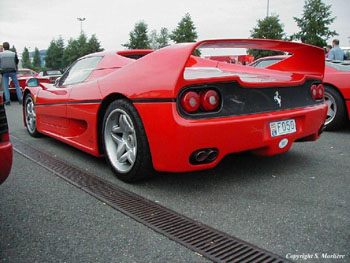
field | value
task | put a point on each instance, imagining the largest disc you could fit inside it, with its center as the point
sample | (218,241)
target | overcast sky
(35,23)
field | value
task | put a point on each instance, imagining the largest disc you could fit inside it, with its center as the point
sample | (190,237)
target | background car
(176,112)
(5,144)
(52,74)
(23,74)
(337,89)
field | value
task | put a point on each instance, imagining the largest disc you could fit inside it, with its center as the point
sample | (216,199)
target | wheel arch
(347,111)
(101,111)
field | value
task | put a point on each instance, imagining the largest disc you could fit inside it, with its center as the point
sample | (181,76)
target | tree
(314,24)
(159,41)
(93,45)
(71,52)
(13,49)
(80,47)
(153,37)
(267,28)
(54,54)
(36,60)
(138,38)
(185,31)
(163,38)
(25,59)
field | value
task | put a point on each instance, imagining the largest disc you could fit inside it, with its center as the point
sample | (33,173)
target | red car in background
(172,111)
(23,74)
(233,59)
(5,145)
(336,83)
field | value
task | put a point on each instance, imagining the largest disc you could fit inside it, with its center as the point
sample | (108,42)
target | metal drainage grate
(212,244)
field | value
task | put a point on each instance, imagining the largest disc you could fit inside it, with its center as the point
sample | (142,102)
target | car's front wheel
(125,143)
(30,115)
(336,114)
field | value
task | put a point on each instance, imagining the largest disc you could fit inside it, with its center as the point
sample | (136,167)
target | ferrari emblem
(278,99)
(35,99)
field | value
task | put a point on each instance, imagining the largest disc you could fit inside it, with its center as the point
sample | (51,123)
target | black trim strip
(70,103)
(99,101)
(153,100)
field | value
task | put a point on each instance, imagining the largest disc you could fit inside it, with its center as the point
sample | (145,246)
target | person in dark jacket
(8,66)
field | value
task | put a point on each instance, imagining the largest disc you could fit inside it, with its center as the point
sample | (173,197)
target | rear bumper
(173,139)
(5,160)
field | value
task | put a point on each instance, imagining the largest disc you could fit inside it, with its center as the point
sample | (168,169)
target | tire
(30,115)
(336,115)
(125,142)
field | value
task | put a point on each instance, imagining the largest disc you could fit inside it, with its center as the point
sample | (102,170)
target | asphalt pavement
(295,205)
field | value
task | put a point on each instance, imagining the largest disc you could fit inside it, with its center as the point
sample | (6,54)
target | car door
(54,100)
(51,108)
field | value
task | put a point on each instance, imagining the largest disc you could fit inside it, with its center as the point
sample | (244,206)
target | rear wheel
(125,143)
(30,116)
(336,114)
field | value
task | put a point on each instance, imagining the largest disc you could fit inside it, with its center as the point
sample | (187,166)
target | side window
(79,71)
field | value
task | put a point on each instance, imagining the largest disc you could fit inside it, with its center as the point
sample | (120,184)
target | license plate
(279,128)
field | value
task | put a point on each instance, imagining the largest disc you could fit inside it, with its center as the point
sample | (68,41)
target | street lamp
(268,5)
(81,19)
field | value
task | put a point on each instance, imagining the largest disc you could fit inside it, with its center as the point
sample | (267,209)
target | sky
(35,23)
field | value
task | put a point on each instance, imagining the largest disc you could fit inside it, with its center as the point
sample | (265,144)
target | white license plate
(279,128)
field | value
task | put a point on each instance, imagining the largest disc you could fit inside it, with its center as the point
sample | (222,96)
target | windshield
(21,73)
(53,72)
(339,66)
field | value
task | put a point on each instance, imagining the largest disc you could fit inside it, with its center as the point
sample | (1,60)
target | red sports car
(172,111)
(5,145)
(336,83)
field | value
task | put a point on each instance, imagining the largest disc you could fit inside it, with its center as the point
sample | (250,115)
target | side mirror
(32,82)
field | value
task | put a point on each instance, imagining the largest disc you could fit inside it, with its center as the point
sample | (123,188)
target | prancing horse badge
(278,99)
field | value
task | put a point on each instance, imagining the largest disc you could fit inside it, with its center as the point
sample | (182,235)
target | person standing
(336,53)
(8,65)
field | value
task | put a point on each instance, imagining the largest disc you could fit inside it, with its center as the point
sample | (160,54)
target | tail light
(204,101)
(190,101)
(209,100)
(317,91)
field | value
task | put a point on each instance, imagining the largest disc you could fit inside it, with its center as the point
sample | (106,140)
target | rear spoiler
(305,59)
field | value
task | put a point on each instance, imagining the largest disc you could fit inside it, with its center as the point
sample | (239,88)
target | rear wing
(305,59)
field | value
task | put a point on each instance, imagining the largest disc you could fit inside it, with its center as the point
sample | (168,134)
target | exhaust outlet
(212,155)
(203,156)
